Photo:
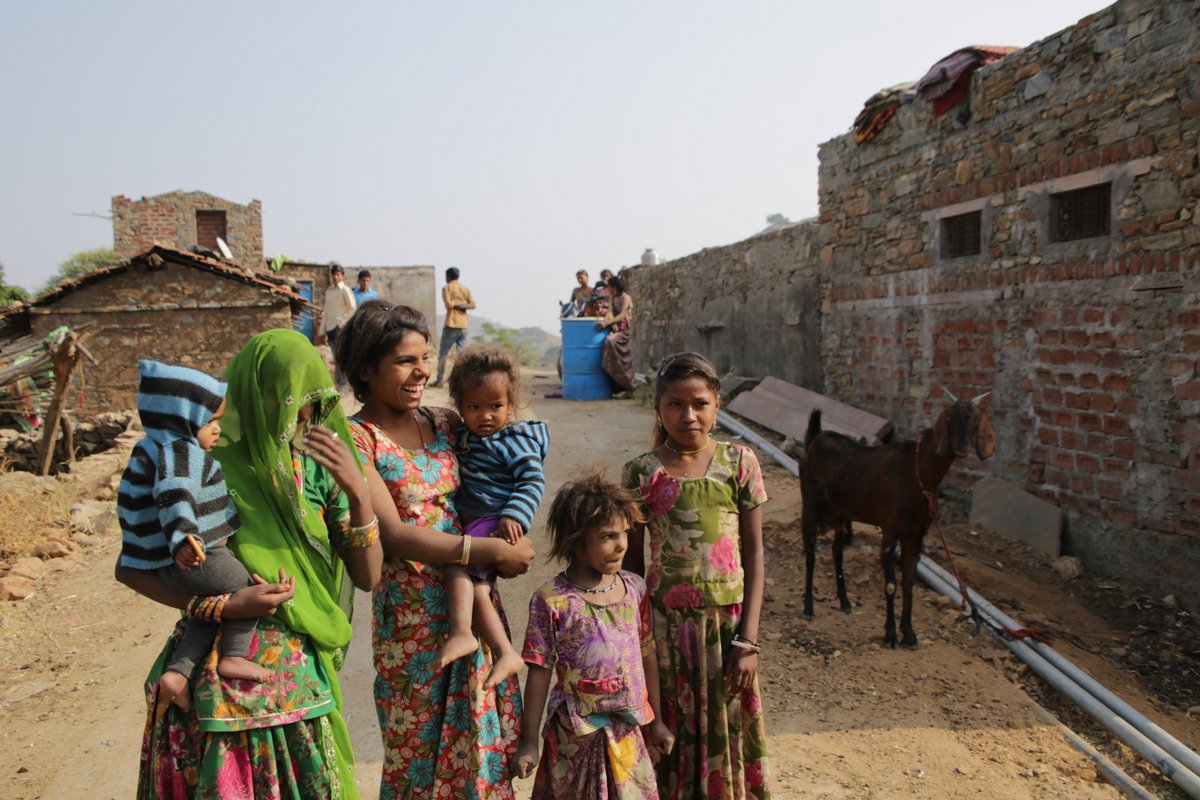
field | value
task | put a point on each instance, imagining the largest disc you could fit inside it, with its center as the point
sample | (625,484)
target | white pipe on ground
(1180,775)
(1150,730)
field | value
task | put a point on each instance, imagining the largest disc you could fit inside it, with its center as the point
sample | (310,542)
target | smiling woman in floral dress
(444,734)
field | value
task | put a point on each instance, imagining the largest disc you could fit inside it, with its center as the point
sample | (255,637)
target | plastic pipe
(786,461)
(1180,775)
(1177,749)
(1125,784)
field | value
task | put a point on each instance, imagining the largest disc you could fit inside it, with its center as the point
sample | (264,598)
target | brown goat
(891,486)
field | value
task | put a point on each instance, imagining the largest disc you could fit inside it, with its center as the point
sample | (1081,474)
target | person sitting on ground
(176,516)
(500,463)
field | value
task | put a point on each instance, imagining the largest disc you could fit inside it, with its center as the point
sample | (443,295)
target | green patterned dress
(696,583)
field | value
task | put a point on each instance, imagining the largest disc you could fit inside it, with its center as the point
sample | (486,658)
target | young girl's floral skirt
(609,764)
(721,740)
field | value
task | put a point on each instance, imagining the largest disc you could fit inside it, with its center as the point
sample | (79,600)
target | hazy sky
(519,141)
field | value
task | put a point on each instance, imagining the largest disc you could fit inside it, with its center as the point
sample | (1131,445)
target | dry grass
(29,510)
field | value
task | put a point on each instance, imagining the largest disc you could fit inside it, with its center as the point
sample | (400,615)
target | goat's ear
(985,436)
(941,434)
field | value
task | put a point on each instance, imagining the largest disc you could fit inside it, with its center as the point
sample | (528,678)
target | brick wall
(170,219)
(1090,348)
(176,314)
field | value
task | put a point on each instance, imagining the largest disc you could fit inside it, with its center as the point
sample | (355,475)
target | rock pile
(20,449)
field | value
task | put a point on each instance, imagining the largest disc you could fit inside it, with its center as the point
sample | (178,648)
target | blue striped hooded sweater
(502,473)
(172,487)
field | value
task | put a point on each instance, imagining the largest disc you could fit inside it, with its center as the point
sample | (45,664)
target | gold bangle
(465,558)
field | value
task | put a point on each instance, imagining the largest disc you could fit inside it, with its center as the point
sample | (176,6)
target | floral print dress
(443,735)
(593,738)
(695,581)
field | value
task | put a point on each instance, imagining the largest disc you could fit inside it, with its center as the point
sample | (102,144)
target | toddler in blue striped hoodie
(500,464)
(176,516)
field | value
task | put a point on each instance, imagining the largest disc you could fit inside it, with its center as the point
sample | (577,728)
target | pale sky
(518,141)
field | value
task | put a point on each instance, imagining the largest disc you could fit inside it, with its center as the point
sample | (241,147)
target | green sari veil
(273,377)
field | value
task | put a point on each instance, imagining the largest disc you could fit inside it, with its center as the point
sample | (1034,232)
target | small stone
(86,539)
(13,587)
(54,549)
(1067,567)
(1170,600)
(32,568)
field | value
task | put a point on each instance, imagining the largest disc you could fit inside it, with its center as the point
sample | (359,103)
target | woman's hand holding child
(527,757)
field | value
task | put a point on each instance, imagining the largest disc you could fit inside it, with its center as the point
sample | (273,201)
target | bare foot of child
(507,664)
(457,645)
(173,687)
(237,667)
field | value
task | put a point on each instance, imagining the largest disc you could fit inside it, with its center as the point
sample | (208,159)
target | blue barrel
(583,373)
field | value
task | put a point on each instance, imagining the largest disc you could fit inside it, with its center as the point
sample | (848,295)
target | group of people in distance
(256,507)
(610,303)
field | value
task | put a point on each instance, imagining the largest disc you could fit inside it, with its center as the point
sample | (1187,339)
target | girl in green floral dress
(702,501)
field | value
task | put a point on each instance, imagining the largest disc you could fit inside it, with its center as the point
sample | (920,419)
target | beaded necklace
(586,590)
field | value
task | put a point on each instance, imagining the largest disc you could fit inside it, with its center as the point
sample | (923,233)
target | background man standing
(363,292)
(458,301)
(339,307)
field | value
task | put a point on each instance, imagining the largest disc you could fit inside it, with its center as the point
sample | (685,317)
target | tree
(10,294)
(79,264)
(510,341)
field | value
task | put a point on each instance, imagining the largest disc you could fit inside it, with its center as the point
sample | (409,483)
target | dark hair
(617,284)
(678,367)
(582,505)
(472,367)
(451,273)
(368,336)
(609,271)
(335,268)
(582,272)
(364,273)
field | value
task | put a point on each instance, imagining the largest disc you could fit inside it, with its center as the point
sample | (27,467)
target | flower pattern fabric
(443,735)
(696,582)
(593,741)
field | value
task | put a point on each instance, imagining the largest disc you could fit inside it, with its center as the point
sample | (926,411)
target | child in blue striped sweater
(500,464)
(176,515)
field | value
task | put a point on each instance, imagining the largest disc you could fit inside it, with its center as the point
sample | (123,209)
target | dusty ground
(848,719)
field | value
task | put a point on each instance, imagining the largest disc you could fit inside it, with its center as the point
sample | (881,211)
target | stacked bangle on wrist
(207,609)
(465,558)
(745,644)
(363,536)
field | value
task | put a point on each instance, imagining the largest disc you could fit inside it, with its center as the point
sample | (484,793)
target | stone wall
(411,286)
(170,219)
(1090,348)
(753,306)
(177,314)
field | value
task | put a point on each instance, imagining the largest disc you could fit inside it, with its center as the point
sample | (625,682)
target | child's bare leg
(506,661)
(460,641)
(174,687)
(236,667)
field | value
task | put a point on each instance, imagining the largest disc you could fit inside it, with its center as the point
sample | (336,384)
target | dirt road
(847,718)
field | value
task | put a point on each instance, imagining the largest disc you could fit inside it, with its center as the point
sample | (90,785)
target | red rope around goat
(1032,632)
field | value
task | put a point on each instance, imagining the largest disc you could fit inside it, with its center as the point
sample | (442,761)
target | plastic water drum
(583,375)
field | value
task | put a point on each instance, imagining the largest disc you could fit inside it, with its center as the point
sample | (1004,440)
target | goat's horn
(978,397)
(950,394)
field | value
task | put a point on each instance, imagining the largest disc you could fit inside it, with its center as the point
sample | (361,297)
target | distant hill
(537,339)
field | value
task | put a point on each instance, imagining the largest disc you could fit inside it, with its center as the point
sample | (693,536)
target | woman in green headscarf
(306,515)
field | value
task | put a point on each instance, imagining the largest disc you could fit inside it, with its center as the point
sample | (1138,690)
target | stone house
(187,219)
(164,304)
(1041,242)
